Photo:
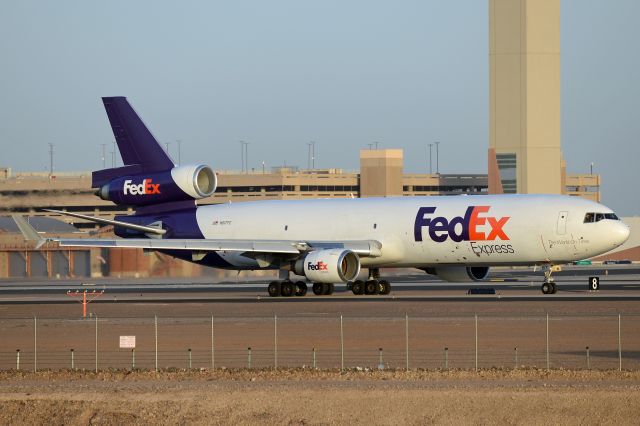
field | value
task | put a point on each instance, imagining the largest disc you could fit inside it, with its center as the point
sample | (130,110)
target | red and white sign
(127,342)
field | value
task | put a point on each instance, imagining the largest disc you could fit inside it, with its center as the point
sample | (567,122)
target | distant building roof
(41,224)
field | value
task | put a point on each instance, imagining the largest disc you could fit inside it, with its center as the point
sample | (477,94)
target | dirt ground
(320,397)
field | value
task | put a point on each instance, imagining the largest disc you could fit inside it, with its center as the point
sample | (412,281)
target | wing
(362,248)
(370,248)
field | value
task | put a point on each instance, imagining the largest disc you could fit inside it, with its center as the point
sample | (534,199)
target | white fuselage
(505,230)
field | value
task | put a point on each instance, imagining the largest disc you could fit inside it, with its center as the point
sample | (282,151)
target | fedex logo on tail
(475,225)
(146,187)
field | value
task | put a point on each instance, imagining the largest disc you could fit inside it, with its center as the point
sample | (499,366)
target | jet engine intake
(329,266)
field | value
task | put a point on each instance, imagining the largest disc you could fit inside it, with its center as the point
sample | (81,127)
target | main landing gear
(287,288)
(548,286)
(371,287)
(323,289)
(374,285)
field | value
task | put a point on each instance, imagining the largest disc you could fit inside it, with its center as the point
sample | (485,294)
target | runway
(618,283)
(183,315)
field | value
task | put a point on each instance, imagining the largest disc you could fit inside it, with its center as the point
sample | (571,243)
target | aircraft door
(562,222)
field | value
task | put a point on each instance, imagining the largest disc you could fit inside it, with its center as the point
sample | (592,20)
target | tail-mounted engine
(329,266)
(182,183)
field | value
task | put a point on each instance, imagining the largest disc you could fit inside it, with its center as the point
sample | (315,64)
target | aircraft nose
(620,233)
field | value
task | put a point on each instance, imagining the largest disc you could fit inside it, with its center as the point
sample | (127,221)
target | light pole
(104,158)
(313,155)
(244,153)
(50,159)
(437,158)
(179,142)
(591,167)
(430,162)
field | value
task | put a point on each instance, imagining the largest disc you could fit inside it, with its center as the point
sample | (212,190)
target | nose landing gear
(548,286)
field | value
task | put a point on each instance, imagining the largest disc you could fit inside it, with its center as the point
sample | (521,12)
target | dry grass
(299,396)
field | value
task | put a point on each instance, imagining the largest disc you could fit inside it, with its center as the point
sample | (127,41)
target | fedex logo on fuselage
(146,187)
(475,225)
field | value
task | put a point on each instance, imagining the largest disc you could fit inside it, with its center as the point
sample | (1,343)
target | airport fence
(323,341)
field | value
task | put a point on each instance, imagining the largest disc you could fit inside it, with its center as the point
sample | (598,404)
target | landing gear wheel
(547,288)
(301,288)
(287,289)
(371,287)
(274,289)
(327,289)
(384,287)
(317,289)
(554,289)
(357,287)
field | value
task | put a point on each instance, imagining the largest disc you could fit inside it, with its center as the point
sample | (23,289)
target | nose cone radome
(620,233)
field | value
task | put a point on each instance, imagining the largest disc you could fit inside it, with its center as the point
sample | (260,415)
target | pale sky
(282,73)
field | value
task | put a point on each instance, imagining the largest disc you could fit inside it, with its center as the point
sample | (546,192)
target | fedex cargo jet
(457,238)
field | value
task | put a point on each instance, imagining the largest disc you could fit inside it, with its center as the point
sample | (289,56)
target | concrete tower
(524,61)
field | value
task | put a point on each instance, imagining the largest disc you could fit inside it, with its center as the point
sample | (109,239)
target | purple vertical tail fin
(140,151)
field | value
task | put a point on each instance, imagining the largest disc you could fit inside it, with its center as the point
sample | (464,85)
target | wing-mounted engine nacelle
(329,266)
(459,273)
(182,183)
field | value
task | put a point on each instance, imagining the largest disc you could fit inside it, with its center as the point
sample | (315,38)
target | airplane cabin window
(588,218)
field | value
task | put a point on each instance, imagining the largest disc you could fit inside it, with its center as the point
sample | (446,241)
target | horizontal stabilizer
(140,228)
(28,231)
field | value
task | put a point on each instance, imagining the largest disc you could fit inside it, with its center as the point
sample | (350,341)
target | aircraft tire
(554,288)
(287,289)
(301,288)
(317,289)
(384,287)
(370,287)
(274,289)
(357,287)
(327,289)
(546,288)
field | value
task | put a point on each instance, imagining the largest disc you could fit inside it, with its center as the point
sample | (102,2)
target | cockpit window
(597,217)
